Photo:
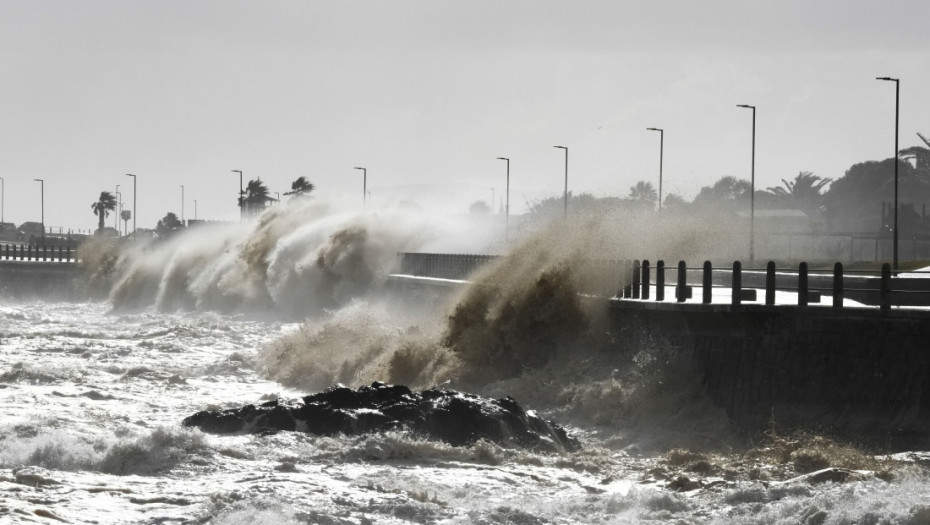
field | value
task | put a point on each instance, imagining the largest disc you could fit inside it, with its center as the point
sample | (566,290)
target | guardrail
(28,252)
(442,265)
(869,287)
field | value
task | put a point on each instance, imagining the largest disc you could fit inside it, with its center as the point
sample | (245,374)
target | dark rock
(454,417)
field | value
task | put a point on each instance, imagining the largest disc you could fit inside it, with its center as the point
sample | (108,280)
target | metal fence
(29,252)
(442,265)
(877,288)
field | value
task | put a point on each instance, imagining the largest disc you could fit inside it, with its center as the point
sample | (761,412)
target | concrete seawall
(48,280)
(859,372)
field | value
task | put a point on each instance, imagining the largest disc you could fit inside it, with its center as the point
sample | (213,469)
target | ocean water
(92,395)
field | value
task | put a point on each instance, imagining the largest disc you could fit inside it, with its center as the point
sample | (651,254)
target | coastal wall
(858,372)
(26,279)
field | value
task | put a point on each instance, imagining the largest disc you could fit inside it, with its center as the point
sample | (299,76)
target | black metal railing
(870,287)
(35,253)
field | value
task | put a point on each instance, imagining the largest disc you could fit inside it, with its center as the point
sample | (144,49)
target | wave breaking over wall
(300,258)
(528,326)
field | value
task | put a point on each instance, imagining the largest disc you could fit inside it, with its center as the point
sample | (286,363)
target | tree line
(252,201)
(861,201)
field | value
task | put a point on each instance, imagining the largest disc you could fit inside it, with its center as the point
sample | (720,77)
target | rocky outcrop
(446,415)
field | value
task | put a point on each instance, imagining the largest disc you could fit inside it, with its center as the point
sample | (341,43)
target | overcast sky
(427,94)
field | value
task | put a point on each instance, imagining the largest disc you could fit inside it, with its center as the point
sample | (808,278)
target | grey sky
(426,95)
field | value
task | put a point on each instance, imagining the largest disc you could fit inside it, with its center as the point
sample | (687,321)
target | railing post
(885,290)
(660,280)
(802,284)
(624,278)
(770,284)
(682,293)
(737,285)
(635,287)
(646,279)
(838,285)
(708,283)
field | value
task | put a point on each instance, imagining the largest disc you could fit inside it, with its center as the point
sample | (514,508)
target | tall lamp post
(116,215)
(661,154)
(897,105)
(507,205)
(42,182)
(135,210)
(119,209)
(364,185)
(752,188)
(182,204)
(241,195)
(2,196)
(195,209)
(565,192)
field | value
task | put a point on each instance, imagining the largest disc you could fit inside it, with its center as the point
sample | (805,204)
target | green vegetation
(102,208)
(858,202)
(300,186)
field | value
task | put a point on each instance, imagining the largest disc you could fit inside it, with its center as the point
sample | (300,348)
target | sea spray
(297,259)
(522,328)
(358,344)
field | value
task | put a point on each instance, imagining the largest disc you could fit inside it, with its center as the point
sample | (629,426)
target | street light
(364,184)
(565,193)
(507,209)
(116,215)
(135,210)
(119,208)
(2,196)
(42,182)
(661,154)
(182,204)
(897,105)
(195,209)
(241,195)
(752,187)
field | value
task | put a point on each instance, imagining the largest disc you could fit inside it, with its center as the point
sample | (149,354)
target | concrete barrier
(858,372)
(25,279)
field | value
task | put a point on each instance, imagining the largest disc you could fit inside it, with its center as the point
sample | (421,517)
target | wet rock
(33,476)
(832,475)
(684,484)
(454,417)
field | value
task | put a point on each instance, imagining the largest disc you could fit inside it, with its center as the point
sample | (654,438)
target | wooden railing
(29,252)
(865,286)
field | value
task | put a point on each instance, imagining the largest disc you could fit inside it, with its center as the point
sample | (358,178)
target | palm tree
(103,207)
(805,192)
(300,186)
(256,195)
(921,153)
